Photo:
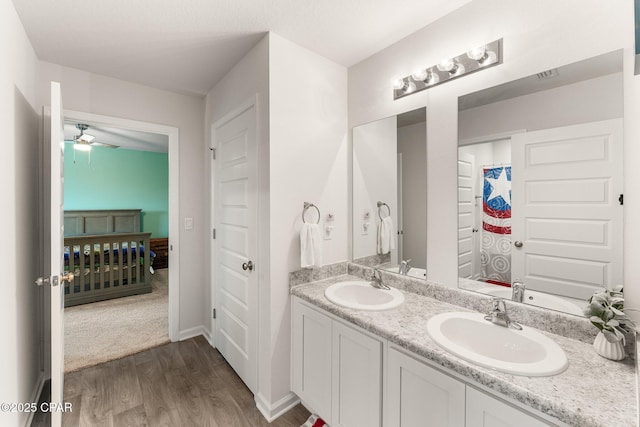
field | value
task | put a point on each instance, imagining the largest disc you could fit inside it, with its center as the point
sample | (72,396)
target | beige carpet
(108,330)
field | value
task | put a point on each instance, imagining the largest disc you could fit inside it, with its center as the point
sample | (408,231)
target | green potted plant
(606,312)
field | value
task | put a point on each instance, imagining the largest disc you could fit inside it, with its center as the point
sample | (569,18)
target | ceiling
(188,46)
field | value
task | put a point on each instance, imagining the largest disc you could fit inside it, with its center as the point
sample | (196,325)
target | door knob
(56,281)
(247,265)
(517,244)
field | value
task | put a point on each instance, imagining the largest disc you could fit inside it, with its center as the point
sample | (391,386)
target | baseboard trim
(271,411)
(208,336)
(35,397)
(191,333)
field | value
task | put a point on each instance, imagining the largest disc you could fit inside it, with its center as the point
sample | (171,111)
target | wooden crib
(109,264)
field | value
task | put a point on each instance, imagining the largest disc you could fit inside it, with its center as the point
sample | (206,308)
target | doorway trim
(174,199)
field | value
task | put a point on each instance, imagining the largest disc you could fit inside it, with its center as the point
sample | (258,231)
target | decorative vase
(607,349)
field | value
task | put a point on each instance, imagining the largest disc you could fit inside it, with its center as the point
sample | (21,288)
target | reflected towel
(314,421)
(310,246)
(386,236)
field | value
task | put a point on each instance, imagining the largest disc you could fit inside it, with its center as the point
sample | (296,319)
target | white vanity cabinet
(418,395)
(311,358)
(339,372)
(486,411)
(336,369)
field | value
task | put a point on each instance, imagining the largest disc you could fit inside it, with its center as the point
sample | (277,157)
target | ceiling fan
(84,141)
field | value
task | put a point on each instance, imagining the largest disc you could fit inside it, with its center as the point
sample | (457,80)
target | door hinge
(214,233)
(213,152)
(621,199)
(214,313)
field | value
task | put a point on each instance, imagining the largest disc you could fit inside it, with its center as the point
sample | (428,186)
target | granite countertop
(593,391)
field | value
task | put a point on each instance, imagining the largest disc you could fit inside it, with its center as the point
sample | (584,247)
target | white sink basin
(539,299)
(360,295)
(470,337)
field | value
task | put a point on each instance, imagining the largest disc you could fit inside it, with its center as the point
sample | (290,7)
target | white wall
(375,178)
(537,36)
(586,101)
(20,357)
(412,144)
(250,76)
(308,162)
(91,93)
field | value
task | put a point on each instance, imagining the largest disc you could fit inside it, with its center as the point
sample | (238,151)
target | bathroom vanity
(381,368)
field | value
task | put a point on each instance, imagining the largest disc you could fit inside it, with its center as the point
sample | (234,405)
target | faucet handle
(496,302)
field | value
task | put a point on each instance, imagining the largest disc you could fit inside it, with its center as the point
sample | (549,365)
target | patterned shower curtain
(495,255)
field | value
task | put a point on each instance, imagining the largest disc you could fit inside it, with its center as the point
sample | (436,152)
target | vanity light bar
(485,56)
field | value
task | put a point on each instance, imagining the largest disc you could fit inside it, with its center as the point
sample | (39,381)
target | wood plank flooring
(185,383)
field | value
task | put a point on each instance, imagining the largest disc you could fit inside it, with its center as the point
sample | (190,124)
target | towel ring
(380,205)
(308,205)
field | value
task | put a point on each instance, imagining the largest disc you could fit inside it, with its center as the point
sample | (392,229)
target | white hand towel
(310,246)
(386,236)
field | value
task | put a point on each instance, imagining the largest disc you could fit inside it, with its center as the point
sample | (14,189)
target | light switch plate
(188,223)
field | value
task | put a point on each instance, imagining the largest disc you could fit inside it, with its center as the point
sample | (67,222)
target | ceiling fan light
(81,146)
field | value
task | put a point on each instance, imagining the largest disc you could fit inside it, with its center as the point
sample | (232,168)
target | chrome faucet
(499,316)
(404,267)
(517,291)
(376,280)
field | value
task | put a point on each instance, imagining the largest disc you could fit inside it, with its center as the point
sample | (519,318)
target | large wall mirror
(389,193)
(540,185)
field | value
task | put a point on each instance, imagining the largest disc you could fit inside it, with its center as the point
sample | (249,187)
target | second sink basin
(471,337)
(360,295)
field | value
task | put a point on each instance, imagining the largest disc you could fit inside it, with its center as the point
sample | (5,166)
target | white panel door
(235,246)
(356,378)
(466,215)
(566,217)
(418,395)
(57,248)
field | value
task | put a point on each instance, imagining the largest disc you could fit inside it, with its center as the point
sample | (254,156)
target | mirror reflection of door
(546,182)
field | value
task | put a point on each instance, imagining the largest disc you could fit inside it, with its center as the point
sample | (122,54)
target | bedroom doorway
(162,297)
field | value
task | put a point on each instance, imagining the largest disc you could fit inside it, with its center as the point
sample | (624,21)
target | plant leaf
(610,336)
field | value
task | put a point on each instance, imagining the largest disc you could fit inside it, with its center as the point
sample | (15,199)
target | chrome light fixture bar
(480,58)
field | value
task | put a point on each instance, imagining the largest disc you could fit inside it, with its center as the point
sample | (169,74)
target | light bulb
(81,147)
(419,75)
(446,65)
(478,53)
(398,84)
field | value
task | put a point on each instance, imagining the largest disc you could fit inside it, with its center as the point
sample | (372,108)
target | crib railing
(107,266)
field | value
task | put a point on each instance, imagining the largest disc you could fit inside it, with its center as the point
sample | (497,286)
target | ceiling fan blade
(104,144)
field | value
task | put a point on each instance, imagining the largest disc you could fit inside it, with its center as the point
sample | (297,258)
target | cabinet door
(357,378)
(418,395)
(311,358)
(484,410)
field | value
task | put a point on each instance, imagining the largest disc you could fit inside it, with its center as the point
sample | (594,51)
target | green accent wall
(108,178)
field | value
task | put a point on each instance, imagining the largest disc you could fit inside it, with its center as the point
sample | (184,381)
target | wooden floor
(185,383)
